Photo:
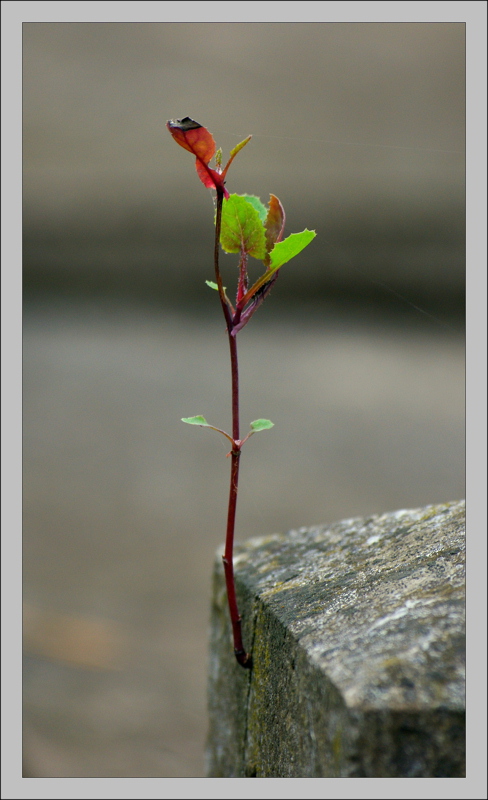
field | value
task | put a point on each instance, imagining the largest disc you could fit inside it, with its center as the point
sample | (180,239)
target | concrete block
(357,636)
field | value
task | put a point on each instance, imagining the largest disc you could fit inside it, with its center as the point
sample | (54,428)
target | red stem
(243,658)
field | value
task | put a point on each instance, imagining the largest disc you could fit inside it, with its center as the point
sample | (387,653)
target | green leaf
(239,146)
(196,421)
(289,248)
(204,424)
(213,285)
(233,154)
(280,254)
(257,204)
(261,425)
(242,229)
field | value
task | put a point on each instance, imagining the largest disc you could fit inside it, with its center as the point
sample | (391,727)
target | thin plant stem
(243,658)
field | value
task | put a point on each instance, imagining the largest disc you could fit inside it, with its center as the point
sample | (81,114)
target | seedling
(245,226)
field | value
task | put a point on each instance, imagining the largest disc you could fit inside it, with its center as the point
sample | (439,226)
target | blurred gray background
(357,357)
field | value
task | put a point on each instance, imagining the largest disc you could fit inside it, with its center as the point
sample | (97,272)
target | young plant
(245,226)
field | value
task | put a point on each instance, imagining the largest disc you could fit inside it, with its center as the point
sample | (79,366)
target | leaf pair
(256,426)
(248,228)
(199,141)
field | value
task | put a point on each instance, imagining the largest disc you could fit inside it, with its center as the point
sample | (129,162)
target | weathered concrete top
(373,608)
(389,586)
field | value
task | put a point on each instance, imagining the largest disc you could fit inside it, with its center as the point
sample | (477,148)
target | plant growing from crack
(245,226)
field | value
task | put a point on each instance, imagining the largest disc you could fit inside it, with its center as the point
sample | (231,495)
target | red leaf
(274,224)
(198,140)
(193,137)
(210,177)
(256,301)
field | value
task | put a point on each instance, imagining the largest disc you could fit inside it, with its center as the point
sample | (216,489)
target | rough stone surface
(357,636)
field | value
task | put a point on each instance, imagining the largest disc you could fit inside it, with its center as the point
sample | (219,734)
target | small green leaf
(261,425)
(204,424)
(242,229)
(280,254)
(289,248)
(238,147)
(213,285)
(233,154)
